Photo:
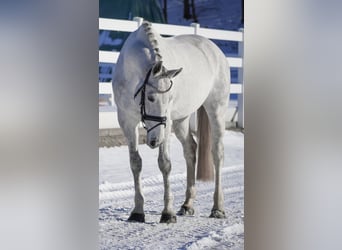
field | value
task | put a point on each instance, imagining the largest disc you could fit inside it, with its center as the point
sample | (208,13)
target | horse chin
(153,146)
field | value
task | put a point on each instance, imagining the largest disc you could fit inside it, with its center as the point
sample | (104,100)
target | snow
(116,200)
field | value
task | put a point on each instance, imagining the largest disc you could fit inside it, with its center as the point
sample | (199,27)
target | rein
(145,117)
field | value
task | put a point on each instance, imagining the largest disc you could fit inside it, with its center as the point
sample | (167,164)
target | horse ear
(157,68)
(173,73)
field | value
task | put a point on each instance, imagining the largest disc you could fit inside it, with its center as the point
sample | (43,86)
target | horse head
(156,101)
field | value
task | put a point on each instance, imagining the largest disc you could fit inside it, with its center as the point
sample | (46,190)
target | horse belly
(190,98)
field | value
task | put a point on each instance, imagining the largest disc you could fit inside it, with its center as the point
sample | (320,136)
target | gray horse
(161,82)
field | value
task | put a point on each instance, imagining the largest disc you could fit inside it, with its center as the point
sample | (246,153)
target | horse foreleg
(138,212)
(168,215)
(131,133)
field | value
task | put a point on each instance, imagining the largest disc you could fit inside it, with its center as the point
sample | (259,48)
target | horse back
(205,72)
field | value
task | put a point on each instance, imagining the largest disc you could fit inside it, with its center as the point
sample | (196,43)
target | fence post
(112,97)
(241,96)
(196,27)
(193,117)
(139,20)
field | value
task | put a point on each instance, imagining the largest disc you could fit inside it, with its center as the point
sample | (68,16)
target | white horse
(161,82)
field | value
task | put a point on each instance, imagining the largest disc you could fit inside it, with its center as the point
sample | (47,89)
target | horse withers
(161,82)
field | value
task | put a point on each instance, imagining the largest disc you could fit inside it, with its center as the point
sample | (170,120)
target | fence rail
(112,57)
(167,29)
(170,29)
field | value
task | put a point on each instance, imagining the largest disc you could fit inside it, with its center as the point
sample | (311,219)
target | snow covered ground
(116,195)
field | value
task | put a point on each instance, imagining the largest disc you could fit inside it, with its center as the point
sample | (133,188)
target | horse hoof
(137,217)
(168,218)
(215,213)
(186,211)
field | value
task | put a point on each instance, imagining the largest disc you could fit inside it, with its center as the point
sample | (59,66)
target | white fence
(167,29)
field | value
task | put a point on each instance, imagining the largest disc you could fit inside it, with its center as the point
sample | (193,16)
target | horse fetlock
(137,217)
(168,218)
(139,201)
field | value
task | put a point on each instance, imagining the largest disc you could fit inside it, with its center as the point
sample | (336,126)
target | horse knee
(136,163)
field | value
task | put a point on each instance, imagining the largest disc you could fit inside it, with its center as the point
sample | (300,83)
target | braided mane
(151,38)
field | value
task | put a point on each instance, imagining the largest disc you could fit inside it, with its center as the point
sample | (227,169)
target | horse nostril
(153,143)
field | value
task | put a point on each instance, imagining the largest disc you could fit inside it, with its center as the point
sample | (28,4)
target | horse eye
(151,98)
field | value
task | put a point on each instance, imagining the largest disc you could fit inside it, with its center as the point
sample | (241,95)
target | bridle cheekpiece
(145,117)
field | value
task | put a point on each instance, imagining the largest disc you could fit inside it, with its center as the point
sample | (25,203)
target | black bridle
(145,117)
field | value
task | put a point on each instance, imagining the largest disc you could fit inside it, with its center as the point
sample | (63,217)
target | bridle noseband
(145,117)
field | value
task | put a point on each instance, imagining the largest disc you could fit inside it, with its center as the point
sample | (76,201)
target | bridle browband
(145,117)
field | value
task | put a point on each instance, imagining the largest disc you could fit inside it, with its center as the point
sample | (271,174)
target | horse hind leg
(216,116)
(182,131)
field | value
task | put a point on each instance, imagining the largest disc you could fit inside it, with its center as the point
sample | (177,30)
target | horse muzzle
(153,142)
(155,137)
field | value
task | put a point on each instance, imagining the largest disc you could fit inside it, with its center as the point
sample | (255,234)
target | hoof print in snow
(186,211)
(168,218)
(137,217)
(215,213)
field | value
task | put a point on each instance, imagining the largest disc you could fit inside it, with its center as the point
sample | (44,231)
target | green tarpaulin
(127,9)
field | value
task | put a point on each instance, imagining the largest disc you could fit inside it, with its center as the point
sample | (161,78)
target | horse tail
(205,166)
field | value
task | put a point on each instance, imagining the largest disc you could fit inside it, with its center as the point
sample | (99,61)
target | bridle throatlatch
(145,117)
